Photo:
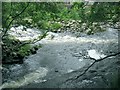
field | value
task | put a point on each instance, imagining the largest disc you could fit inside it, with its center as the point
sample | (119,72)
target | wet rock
(92,71)
(36,48)
(14,54)
(89,31)
(19,56)
(50,36)
(33,51)
(56,71)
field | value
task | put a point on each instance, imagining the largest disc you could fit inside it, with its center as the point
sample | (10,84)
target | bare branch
(14,19)
(9,14)
(95,61)
(34,41)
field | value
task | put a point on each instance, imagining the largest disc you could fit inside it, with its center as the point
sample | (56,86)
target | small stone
(56,70)
(33,51)
(19,56)
(14,53)
(92,71)
(102,70)
(36,48)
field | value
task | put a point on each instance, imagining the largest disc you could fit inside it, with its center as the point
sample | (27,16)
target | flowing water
(62,54)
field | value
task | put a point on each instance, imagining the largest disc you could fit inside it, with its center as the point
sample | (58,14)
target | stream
(61,54)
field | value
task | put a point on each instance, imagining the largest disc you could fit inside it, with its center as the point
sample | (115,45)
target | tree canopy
(38,14)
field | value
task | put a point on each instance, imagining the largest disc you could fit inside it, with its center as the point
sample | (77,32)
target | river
(62,54)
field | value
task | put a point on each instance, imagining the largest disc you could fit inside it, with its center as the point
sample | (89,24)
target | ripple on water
(35,76)
(62,45)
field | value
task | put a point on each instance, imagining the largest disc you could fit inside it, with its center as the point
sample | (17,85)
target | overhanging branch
(34,41)
(14,19)
(95,61)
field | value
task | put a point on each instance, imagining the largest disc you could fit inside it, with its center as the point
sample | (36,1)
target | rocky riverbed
(63,57)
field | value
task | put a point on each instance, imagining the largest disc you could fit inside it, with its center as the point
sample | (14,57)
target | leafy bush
(24,50)
(55,26)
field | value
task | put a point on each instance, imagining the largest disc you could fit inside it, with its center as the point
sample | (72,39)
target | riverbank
(64,56)
(19,44)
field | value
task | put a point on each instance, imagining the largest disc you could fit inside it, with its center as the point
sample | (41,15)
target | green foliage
(55,26)
(13,49)
(38,14)
(102,12)
(49,25)
(45,25)
(24,50)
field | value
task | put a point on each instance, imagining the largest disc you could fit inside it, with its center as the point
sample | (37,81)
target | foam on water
(29,78)
(56,53)
(23,35)
(94,54)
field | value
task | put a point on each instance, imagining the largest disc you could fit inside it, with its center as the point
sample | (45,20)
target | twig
(34,41)
(95,60)
(82,73)
(106,57)
(14,19)
(9,14)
